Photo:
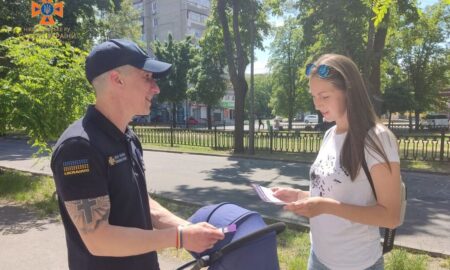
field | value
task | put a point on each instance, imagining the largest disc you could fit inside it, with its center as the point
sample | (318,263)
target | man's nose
(155,89)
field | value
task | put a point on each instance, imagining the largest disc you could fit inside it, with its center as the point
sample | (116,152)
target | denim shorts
(315,264)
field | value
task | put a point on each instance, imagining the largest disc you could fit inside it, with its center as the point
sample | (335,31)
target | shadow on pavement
(17,219)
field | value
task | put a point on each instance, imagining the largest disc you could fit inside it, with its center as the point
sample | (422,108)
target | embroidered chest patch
(76,166)
(116,159)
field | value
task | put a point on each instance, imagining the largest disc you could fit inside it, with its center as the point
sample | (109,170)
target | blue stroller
(252,246)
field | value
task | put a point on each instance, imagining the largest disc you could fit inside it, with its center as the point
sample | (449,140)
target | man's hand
(201,236)
(289,195)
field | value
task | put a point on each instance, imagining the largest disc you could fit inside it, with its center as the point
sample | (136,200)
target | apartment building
(177,17)
(180,18)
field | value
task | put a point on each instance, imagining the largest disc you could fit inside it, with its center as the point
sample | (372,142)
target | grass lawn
(293,245)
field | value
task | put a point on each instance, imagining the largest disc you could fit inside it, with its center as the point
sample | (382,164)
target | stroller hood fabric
(259,254)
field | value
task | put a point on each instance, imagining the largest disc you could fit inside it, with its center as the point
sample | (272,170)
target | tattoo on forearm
(89,214)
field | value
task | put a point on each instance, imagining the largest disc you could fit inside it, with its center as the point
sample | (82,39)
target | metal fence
(430,147)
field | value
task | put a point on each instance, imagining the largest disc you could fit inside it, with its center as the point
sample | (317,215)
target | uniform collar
(104,124)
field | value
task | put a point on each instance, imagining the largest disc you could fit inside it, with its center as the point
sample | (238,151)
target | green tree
(235,19)
(347,27)
(123,23)
(207,76)
(263,92)
(175,85)
(16,13)
(82,18)
(287,58)
(423,57)
(397,98)
(44,88)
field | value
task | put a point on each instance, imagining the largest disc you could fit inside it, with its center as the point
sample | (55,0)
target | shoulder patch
(72,167)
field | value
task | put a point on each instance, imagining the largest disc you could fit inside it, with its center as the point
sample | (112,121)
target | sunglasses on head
(323,71)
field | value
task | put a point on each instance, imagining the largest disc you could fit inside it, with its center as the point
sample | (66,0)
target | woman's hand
(289,195)
(309,207)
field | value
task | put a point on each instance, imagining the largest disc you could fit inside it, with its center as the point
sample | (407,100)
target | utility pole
(147,27)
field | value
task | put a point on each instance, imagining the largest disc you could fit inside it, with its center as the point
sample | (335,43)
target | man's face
(141,87)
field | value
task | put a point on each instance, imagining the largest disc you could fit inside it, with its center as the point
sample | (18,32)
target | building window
(196,17)
(154,7)
(155,22)
(201,3)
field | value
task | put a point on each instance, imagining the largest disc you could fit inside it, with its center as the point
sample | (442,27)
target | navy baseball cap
(119,52)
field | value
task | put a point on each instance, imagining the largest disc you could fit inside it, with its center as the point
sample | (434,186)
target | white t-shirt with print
(340,243)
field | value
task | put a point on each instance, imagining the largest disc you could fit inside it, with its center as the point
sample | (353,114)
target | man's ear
(115,77)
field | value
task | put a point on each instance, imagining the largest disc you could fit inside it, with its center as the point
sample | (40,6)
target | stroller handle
(209,259)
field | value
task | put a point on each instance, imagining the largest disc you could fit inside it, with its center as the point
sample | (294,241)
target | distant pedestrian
(260,123)
(344,214)
(109,219)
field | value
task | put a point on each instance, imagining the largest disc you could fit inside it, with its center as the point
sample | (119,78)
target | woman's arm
(386,213)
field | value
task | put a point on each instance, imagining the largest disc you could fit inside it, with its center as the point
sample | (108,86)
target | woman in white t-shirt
(344,214)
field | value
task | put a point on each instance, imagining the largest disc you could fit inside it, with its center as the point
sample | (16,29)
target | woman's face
(329,100)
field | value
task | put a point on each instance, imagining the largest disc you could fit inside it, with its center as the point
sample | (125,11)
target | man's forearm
(117,241)
(163,218)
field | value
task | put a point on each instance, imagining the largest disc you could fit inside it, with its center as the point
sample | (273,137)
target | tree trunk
(208,115)
(236,62)
(374,54)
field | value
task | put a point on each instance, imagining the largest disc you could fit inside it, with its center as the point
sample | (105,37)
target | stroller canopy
(260,253)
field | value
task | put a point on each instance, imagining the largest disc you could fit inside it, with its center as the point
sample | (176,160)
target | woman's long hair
(360,113)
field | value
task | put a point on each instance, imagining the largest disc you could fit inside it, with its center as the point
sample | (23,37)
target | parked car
(311,118)
(435,121)
(192,121)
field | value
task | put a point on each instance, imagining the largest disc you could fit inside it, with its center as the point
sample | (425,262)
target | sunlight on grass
(445,263)
(400,259)
(34,191)
(293,249)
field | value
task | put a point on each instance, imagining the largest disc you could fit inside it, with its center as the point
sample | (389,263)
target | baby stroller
(252,246)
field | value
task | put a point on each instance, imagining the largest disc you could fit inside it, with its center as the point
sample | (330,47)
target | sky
(263,56)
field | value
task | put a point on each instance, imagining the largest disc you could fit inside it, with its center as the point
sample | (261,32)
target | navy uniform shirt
(93,158)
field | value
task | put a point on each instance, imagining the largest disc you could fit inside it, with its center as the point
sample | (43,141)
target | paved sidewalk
(210,179)
(28,242)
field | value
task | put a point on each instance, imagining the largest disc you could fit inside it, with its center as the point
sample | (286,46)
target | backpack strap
(389,234)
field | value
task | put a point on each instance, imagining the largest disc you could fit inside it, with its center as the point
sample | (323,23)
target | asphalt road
(203,179)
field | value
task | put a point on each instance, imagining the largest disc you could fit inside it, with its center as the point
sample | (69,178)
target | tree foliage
(207,75)
(235,19)
(263,92)
(175,85)
(123,23)
(422,55)
(82,18)
(286,61)
(43,88)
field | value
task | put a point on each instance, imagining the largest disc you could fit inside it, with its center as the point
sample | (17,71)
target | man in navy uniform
(110,221)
